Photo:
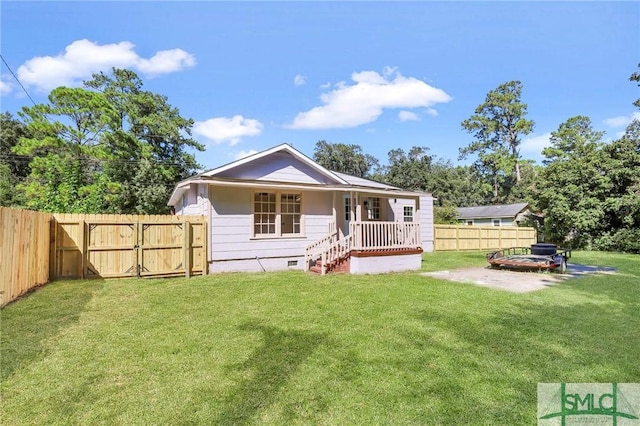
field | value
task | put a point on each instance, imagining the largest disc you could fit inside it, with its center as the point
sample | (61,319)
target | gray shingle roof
(491,212)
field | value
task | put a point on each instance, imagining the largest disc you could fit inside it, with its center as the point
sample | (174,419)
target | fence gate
(124,248)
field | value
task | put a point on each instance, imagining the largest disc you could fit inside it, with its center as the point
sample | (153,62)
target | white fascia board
(182,187)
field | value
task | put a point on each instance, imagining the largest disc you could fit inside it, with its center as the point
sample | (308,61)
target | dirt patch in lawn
(517,282)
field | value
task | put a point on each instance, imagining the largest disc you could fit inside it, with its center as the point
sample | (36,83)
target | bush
(624,240)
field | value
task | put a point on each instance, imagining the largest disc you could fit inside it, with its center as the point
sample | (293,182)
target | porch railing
(315,250)
(384,235)
(363,236)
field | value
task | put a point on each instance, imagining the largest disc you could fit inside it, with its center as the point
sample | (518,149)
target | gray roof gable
(491,212)
(242,170)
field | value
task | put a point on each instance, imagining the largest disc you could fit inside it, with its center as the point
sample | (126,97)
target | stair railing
(315,250)
(337,251)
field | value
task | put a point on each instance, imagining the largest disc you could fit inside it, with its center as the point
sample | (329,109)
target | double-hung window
(277,214)
(290,214)
(264,213)
(374,209)
(408,213)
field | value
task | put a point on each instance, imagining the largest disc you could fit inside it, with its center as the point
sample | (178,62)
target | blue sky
(381,75)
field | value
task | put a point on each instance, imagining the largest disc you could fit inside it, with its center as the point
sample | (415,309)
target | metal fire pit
(529,259)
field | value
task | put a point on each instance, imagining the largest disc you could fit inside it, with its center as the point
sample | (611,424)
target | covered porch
(367,226)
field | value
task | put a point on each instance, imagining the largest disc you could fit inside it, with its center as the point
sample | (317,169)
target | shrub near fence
(469,237)
(24,251)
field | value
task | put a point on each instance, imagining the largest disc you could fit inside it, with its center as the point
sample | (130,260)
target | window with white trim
(264,213)
(277,214)
(496,222)
(347,209)
(290,214)
(470,222)
(407,213)
(373,208)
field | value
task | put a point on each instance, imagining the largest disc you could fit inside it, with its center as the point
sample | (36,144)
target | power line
(16,158)
(14,76)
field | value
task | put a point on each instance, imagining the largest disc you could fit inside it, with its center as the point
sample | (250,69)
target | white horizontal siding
(256,265)
(280,167)
(231,232)
(426,222)
(489,222)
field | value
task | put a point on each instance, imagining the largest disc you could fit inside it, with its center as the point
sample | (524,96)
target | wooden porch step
(341,265)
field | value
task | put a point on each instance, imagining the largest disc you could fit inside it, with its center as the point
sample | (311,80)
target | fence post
(53,252)
(186,247)
(82,245)
(138,247)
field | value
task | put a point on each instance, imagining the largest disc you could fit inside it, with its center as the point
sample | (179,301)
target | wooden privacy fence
(128,245)
(38,247)
(25,241)
(468,237)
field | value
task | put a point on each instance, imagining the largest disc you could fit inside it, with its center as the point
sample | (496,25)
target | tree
(621,203)
(571,188)
(498,125)
(13,168)
(459,186)
(109,147)
(522,192)
(636,77)
(445,215)
(66,141)
(344,158)
(410,170)
(147,128)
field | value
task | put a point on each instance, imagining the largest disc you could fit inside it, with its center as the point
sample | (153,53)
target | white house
(278,209)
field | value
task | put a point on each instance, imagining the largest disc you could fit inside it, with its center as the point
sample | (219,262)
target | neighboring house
(503,215)
(278,209)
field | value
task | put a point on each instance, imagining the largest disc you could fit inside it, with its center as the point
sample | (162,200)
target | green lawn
(295,348)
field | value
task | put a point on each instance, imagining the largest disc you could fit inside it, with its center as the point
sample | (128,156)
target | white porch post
(418,220)
(356,238)
(335,216)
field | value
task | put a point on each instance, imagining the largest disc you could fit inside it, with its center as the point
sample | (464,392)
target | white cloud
(535,144)
(242,154)
(623,120)
(166,61)
(408,116)
(299,80)
(82,58)
(326,85)
(5,87)
(432,112)
(363,102)
(227,130)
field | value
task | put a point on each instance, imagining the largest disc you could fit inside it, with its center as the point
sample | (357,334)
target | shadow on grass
(266,371)
(29,322)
